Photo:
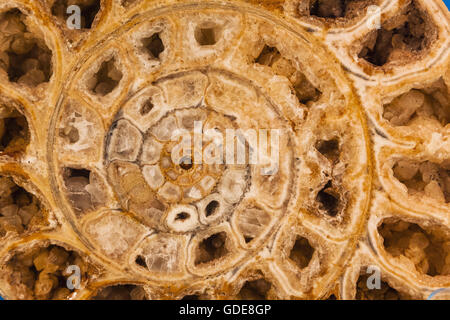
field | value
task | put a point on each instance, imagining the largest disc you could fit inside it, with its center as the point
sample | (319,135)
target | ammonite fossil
(318,148)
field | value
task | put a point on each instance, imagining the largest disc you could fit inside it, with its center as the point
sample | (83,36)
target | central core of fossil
(179,172)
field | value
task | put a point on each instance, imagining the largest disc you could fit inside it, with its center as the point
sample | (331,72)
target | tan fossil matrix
(359,90)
